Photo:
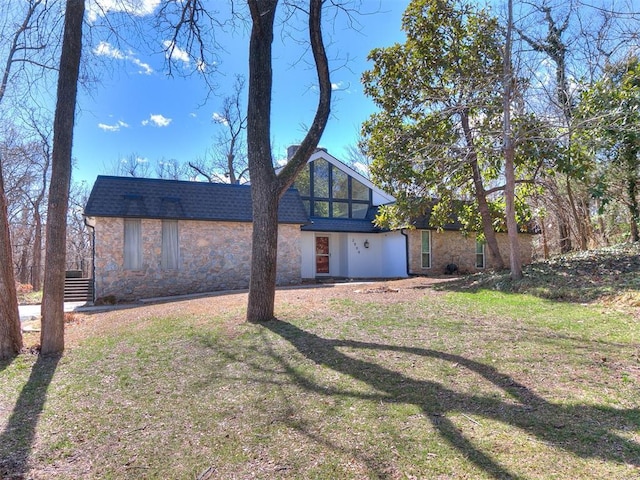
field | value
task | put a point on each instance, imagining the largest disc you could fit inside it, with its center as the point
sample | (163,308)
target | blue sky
(138,110)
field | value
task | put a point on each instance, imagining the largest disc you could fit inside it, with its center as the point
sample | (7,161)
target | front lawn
(392,381)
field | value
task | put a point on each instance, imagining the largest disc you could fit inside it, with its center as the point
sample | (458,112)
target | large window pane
(340,209)
(340,184)
(321,178)
(320,209)
(132,244)
(302,182)
(169,244)
(359,210)
(358,190)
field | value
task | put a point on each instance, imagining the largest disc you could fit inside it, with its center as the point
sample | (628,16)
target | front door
(322,255)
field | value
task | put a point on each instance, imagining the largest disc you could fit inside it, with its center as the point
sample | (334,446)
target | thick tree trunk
(481,197)
(264,254)
(52,333)
(262,283)
(266,186)
(10,330)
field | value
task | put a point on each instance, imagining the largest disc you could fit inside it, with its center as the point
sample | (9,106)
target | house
(342,241)
(157,237)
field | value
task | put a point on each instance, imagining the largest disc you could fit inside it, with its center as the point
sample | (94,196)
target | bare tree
(133,165)
(10,330)
(228,160)
(78,236)
(170,169)
(266,186)
(19,52)
(52,333)
(578,40)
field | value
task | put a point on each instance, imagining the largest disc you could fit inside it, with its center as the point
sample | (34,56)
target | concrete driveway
(30,315)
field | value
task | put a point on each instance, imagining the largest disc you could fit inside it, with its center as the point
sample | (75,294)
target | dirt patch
(87,324)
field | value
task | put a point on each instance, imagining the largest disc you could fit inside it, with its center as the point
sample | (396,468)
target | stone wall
(213,256)
(453,247)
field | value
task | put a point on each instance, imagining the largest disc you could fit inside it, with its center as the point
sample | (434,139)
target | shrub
(23,288)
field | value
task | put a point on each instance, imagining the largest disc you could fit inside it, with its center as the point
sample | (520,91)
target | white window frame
(132,244)
(170,256)
(426,253)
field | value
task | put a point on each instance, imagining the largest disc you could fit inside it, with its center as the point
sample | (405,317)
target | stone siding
(213,256)
(453,247)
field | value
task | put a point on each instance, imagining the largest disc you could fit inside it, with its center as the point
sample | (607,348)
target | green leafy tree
(609,115)
(440,97)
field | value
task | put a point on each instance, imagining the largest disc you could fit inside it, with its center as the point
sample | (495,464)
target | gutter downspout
(91,223)
(406,246)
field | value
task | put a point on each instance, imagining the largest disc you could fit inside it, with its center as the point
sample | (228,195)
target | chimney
(291,151)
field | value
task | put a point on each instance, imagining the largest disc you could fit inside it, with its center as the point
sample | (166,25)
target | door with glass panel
(322,255)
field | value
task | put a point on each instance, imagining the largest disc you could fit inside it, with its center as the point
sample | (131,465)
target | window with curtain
(426,249)
(132,244)
(169,244)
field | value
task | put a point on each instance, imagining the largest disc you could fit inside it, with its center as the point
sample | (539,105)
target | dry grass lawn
(411,379)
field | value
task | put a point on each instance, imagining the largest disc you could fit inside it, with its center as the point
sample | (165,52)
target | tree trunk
(23,264)
(10,329)
(632,192)
(264,254)
(481,197)
(262,282)
(37,219)
(52,333)
(266,186)
(36,268)
(515,260)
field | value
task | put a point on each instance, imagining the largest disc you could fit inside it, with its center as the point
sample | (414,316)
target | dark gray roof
(424,223)
(347,225)
(174,199)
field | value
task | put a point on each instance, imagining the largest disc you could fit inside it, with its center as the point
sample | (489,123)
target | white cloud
(113,128)
(157,120)
(139,8)
(176,53)
(220,119)
(105,49)
(144,67)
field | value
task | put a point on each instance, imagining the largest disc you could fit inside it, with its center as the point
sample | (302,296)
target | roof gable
(176,199)
(379,196)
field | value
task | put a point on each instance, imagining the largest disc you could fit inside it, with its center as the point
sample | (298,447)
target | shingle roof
(175,199)
(346,225)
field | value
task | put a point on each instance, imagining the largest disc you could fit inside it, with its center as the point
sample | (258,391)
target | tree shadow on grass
(584,430)
(17,438)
